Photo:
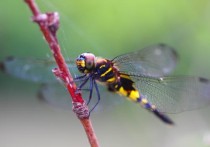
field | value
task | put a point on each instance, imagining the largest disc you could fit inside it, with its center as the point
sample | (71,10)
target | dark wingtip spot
(2,64)
(203,80)
(40,95)
(10,58)
(2,67)
(162,44)
(174,52)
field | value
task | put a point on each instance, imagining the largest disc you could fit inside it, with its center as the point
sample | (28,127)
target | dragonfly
(141,76)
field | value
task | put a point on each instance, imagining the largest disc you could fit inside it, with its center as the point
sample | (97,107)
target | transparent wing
(174,94)
(57,95)
(39,70)
(35,70)
(156,61)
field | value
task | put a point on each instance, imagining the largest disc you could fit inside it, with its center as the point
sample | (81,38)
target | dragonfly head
(85,62)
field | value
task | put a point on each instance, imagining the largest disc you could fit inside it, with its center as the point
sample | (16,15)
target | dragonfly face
(85,62)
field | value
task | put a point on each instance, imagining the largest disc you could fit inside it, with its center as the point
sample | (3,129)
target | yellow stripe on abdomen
(111,80)
(135,96)
(132,94)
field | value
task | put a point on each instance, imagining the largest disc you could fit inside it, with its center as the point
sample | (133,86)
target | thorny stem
(49,23)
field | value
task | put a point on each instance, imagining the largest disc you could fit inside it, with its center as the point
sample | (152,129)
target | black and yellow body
(143,76)
(104,71)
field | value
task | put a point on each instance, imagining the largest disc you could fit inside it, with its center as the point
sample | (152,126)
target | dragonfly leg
(83,83)
(91,90)
(79,78)
(143,101)
(98,95)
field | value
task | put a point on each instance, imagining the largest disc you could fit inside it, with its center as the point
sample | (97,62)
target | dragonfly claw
(78,90)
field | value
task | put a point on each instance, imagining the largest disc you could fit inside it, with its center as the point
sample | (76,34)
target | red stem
(50,36)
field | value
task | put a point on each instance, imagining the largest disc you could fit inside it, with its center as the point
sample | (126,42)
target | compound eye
(89,64)
(89,61)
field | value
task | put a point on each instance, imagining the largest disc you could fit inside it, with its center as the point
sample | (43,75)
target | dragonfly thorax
(86,62)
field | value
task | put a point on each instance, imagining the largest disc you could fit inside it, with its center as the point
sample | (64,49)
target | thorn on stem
(59,75)
(2,63)
(62,77)
(50,20)
(53,22)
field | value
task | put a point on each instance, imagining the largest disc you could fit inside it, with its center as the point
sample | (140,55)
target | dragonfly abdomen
(126,88)
(143,101)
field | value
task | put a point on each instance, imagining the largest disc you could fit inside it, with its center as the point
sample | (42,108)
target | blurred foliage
(109,28)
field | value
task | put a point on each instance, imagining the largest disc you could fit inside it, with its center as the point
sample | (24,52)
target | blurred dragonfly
(141,76)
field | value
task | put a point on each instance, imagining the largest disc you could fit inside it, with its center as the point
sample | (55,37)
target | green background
(106,28)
